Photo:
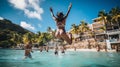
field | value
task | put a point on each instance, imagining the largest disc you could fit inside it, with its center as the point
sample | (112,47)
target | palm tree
(51,32)
(27,37)
(38,33)
(40,40)
(109,20)
(49,29)
(74,29)
(44,38)
(103,16)
(83,28)
(115,14)
(34,38)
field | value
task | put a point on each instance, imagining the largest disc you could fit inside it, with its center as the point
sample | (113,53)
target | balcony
(116,31)
(98,26)
(99,32)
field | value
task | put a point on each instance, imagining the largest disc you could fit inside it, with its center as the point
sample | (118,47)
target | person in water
(56,50)
(62,49)
(41,48)
(47,48)
(60,22)
(28,50)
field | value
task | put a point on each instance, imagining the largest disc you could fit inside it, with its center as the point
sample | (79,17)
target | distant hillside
(7,29)
(8,25)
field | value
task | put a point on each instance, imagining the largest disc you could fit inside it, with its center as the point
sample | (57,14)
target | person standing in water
(47,48)
(28,50)
(62,50)
(56,50)
(60,22)
(41,48)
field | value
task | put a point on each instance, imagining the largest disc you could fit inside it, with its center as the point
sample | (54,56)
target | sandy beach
(72,49)
(93,50)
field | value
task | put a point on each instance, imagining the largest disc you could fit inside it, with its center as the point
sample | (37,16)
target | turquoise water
(13,58)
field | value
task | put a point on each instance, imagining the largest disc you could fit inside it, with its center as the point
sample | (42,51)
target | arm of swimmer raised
(51,10)
(68,10)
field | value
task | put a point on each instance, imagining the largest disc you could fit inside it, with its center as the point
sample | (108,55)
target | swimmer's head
(60,14)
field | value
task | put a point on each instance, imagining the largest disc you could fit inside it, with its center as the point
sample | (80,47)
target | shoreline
(70,49)
(91,50)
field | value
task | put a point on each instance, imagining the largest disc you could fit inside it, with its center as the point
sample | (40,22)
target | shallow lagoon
(13,58)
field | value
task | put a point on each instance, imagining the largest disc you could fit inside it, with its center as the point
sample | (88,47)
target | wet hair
(60,14)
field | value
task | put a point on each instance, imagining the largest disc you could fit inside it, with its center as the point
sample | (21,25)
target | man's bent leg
(70,36)
(66,38)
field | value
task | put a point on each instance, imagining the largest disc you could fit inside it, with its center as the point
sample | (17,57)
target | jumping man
(60,22)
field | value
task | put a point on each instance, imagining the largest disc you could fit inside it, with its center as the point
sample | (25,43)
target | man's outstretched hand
(70,5)
(51,9)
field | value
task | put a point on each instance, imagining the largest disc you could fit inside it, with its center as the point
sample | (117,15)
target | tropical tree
(34,38)
(44,38)
(106,19)
(51,32)
(27,37)
(49,29)
(103,16)
(83,28)
(74,29)
(38,33)
(115,14)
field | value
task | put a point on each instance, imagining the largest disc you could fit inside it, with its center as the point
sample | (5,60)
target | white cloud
(1,18)
(26,25)
(20,4)
(27,5)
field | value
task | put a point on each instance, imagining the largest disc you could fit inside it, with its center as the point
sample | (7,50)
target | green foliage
(83,27)
(6,44)
(44,38)
(10,34)
(74,29)
(5,35)
(49,29)
(112,17)
(16,38)
(28,37)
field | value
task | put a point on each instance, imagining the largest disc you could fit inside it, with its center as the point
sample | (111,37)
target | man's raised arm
(52,13)
(68,10)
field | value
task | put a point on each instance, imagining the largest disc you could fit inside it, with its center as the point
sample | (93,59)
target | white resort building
(110,35)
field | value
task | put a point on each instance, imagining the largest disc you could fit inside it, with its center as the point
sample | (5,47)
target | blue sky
(35,16)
